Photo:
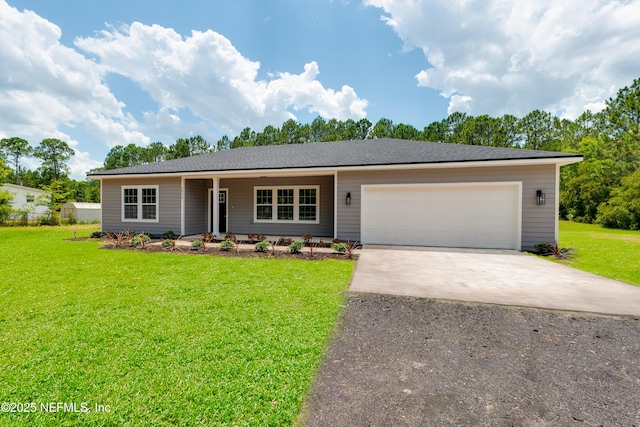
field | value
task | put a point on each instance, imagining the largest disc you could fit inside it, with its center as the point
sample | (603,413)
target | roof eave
(559,160)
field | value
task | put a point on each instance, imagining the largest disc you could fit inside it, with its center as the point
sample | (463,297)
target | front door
(222,211)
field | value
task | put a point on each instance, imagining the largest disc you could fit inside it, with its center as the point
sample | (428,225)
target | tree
(6,197)
(122,157)
(54,154)
(404,131)
(622,210)
(4,172)
(382,129)
(154,152)
(537,130)
(435,132)
(223,143)
(185,147)
(455,121)
(623,111)
(16,148)
(59,195)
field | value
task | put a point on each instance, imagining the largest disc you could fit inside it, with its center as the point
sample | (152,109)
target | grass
(603,251)
(158,339)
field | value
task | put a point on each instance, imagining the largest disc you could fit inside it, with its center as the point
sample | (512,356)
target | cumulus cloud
(205,73)
(47,86)
(509,56)
(201,83)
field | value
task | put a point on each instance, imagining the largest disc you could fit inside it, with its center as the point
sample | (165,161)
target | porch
(274,206)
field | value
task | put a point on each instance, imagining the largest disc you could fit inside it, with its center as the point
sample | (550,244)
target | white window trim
(139,188)
(296,204)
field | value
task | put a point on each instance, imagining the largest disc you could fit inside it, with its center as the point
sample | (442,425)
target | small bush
(196,244)
(99,235)
(340,247)
(296,247)
(284,241)
(51,218)
(169,235)
(227,245)
(72,220)
(545,248)
(262,246)
(140,240)
(168,243)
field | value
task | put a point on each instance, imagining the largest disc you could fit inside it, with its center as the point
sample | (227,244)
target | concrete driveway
(490,276)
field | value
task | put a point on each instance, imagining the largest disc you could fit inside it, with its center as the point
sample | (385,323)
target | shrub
(262,246)
(227,245)
(296,247)
(169,244)
(351,247)
(340,248)
(51,218)
(623,208)
(196,244)
(545,248)
(169,235)
(98,235)
(140,240)
(284,241)
(72,220)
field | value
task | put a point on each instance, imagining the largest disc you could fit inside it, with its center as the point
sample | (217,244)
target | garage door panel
(457,215)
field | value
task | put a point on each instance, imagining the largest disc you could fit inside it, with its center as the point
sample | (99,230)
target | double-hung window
(287,204)
(140,203)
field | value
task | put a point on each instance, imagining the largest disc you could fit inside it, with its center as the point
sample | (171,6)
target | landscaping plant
(296,247)
(227,244)
(340,248)
(262,246)
(140,240)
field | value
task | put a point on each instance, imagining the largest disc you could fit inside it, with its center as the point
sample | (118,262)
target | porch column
(182,206)
(335,205)
(215,227)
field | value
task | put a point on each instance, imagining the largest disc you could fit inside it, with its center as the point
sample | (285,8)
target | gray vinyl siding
(240,203)
(168,205)
(538,222)
(196,205)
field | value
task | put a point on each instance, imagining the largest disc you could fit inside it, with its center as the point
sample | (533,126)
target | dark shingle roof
(371,152)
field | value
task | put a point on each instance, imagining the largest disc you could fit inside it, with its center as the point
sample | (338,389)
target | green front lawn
(158,339)
(607,252)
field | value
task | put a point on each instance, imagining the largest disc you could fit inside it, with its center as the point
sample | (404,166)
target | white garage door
(468,215)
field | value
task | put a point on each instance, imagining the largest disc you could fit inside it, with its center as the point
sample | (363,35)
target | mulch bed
(281,252)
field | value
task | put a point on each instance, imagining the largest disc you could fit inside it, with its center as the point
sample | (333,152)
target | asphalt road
(404,361)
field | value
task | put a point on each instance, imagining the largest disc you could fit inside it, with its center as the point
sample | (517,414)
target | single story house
(380,191)
(82,211)
(28,200)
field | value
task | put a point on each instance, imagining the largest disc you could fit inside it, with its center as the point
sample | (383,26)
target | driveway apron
(490,276)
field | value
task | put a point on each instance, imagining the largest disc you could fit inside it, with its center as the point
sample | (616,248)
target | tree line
(604,188)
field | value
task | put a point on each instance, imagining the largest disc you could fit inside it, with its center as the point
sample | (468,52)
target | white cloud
(509,56)
(46,86)
(206,74)
(201,83)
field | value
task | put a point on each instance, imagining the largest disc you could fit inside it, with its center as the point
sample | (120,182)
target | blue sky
(99,74)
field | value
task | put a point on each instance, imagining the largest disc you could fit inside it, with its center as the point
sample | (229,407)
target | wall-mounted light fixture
(348,201)
(539,197)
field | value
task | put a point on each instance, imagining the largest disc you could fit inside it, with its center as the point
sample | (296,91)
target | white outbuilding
(83,212)
(31,202)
